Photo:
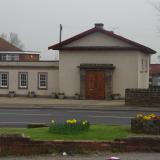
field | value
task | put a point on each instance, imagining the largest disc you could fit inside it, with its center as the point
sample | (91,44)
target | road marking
(95,111)
(26,114)
(18,110)
(116,117)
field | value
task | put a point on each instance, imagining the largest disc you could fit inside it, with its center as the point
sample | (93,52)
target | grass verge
(96,132)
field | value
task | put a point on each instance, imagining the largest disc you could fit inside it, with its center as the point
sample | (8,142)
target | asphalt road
(22,117)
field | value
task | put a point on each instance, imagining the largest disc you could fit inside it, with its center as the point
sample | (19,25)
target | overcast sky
(37,21)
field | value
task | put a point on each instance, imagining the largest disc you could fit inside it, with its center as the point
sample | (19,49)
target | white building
(95,64)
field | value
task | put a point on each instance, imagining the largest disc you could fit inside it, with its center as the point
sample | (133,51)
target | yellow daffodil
(152,115)
(146,117)
(71,121)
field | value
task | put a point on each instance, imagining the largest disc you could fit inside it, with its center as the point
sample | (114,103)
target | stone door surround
(107,68)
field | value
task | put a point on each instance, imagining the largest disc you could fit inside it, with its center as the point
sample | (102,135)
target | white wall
(125,74)
(98,39)
(143,70)
(53,81)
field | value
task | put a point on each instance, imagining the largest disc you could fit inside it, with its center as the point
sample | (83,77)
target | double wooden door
(95,84)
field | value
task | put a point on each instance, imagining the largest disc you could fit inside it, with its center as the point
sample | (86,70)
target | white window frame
(9,57)
(4,79)
(45,80)
(21,81)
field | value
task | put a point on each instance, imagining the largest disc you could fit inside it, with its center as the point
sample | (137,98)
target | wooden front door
(95,85)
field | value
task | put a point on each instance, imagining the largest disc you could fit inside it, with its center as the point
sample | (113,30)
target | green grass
(96,132)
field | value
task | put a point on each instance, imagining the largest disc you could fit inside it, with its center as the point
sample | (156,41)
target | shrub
(69,127)
(148,124)
(36,125)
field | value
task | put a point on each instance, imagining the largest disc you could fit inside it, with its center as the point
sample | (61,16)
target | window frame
(7,86)
(19,80)
(46,81)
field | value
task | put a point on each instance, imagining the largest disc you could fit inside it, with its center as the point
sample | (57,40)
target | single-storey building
(99,63)
(95,64)
(155,75)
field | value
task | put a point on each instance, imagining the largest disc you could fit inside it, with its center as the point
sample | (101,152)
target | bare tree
(3,35)
(13,39)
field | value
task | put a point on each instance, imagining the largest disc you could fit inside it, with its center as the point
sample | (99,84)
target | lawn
(96,132)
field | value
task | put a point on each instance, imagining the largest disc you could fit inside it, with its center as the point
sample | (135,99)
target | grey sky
(37,21)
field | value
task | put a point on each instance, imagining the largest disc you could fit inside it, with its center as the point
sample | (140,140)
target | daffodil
(139,116)
(146,117)
(52,121)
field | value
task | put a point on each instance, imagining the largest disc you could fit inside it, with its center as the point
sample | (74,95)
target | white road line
(95,111)
(26,114)
(116,117)
(18,110)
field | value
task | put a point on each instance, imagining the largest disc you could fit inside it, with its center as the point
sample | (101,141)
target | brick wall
(29,57)
(143,97)
(18,145)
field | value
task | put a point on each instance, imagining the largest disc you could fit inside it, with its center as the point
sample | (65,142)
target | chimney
(99,25)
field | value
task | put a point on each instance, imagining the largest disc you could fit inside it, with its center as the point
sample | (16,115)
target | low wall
(18,145)
(143,97)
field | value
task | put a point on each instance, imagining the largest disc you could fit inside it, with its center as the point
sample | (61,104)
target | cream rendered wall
(98,39)
(125,74)
(53,79)
(143,70)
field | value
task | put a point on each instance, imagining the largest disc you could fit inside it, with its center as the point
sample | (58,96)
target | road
(22,117)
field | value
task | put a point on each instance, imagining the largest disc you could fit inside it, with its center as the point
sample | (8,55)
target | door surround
(108,70)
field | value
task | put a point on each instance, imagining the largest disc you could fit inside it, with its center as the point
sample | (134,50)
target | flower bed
(148,124)
(69,127)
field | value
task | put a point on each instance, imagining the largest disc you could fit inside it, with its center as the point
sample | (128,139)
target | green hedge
(69,127)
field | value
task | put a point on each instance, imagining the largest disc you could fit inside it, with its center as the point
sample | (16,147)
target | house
(96,64)
(23,73)
(155,74)
(99,63)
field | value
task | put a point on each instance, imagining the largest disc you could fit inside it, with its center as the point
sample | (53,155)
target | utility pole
(60,32)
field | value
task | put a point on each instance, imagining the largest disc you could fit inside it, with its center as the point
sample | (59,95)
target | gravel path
(122,156)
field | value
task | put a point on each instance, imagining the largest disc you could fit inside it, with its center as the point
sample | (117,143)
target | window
(3,57)
(3,80)
(42,80)
(9,57)
(23,80)
(142,65)
(12,57)
(146,65)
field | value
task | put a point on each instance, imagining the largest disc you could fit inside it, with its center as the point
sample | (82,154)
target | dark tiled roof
(6,46)
(137,46)
(154,69)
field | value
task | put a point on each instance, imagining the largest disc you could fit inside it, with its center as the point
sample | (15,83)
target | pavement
(25,102)
(122,156)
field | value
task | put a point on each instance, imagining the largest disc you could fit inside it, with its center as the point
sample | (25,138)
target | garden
(73,129)
(146,124)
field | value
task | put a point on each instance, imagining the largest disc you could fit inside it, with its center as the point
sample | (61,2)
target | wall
(18,145)
(143,70)
(125,74)
(29,57)
(98,39)
(32,68)
(143,97)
